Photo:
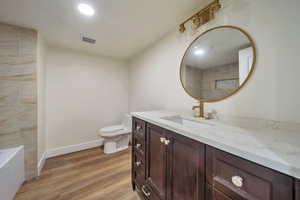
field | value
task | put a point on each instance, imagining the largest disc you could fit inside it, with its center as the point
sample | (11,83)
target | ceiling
(122,28)
(220,47)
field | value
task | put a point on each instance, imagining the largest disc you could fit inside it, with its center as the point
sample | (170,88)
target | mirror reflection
(217,63)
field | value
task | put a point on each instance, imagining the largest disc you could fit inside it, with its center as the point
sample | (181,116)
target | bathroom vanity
(178,157)
(181,158)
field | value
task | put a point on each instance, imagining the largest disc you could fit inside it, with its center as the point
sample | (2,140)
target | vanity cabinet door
(156,162)
(186,168)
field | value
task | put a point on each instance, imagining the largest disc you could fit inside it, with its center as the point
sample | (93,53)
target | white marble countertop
(275,146)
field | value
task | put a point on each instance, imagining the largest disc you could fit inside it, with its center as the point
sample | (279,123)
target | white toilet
(116,138)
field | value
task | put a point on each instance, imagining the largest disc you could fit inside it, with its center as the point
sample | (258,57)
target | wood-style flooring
(85,175)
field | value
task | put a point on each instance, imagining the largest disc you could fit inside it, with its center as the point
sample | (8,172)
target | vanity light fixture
(86,9)
(203,16)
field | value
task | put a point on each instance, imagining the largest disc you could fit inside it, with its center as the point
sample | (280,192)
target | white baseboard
(42,162)
(73,148)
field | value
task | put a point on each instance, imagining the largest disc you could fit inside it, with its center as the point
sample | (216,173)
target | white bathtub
(11,172)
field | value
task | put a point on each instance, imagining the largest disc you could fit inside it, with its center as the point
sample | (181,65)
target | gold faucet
(200,113)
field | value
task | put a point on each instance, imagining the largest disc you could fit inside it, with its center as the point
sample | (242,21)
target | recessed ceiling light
(86,9)
(199,52)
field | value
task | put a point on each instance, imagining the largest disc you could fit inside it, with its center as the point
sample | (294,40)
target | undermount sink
(188,122)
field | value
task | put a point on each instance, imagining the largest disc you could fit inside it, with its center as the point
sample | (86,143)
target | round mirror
(217,63)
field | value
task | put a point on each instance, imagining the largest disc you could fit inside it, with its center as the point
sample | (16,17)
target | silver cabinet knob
(147,194)
(138,128)
(162,140)
(138,145)
(167,142)
(138,163)
(237,181)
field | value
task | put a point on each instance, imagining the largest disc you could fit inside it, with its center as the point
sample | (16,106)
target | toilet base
(113,145)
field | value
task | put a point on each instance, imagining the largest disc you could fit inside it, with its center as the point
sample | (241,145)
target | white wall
(273,91)
(41,98)
(84,93)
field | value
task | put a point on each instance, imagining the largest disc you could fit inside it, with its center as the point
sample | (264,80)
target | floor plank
(85,175)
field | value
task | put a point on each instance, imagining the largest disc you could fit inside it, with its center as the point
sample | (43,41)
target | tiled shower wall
(202,82)
(211,75)
(18,92)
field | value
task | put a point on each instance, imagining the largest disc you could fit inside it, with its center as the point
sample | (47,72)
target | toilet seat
(113,131)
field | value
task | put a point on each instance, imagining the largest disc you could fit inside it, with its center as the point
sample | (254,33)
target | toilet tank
(127,121)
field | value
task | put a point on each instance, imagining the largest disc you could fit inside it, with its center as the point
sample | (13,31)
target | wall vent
(88,40)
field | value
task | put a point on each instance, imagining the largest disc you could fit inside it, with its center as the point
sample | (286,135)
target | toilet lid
(111,129)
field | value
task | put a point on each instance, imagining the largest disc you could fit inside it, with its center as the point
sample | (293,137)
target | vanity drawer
(239,179)
(139,175)
(138,128)
(139,169)
(139,145)
(139,178)
(139,162)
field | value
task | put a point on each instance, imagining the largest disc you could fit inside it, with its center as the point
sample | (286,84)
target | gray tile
(18,92)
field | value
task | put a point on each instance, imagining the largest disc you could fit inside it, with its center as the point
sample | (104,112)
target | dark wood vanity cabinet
(169,166)
(174,166)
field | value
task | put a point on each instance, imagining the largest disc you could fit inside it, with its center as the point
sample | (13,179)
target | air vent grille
(88,40)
